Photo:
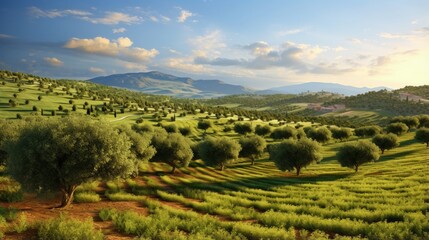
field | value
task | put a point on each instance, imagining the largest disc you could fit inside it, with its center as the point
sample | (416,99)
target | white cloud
(113,18)
(124,42)
(186,65)
(339,49)
(421,33)
(6,36)
(295,57)
(154,19)
(120,48)
(414,22)
(119,30)
(259,48)
(96,70)
(355,40)
(174,51)
(208,45)
(38,13)
(164,18)
(55,62)
(290,32)
(184,14)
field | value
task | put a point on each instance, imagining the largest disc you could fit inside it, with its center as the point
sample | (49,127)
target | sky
(259,44)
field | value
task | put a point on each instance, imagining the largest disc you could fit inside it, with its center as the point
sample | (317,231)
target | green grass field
(387,199)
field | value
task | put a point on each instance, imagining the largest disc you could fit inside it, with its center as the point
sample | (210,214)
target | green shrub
(86,197)
(64,227)
(21,224)
(11,193)
(9,214)
(108,214)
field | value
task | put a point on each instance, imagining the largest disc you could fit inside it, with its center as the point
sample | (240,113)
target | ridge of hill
(155,82)
(327,87)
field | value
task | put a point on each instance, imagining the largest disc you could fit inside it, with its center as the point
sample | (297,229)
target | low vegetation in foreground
(191,174)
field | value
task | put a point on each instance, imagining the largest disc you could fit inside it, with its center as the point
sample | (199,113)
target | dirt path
(122,118)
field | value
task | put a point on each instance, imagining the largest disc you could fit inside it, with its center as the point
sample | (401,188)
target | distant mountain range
(327,87)
(160,83)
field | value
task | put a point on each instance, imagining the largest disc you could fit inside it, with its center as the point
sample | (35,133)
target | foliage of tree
(172,149)
(171,128)
(320,134)
(383,99)
(352,155)
(219,151)
(422,135)
(145,128)
(410,121)
(252,147)
(284,133)
(295,154)
(9,132)
(300,133)
(386,141)
(341,133)
(397,128)
(141,146)
(243,128)
(423,120)
(204,125)
(368,131)
(60,154)
(262,130)
(185,131)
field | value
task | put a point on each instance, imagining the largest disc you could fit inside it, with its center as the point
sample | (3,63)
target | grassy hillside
(385,200)
(391,102)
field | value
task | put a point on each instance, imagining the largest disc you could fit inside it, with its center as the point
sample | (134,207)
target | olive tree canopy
(59,154)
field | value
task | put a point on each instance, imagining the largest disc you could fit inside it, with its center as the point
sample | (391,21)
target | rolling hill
(155,82)
(327,87)
(160,83)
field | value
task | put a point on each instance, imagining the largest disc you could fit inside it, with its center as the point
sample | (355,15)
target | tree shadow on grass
(407,142)
(261,183)
(394,156)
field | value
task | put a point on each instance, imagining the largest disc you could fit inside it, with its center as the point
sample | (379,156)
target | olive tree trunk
(67,196)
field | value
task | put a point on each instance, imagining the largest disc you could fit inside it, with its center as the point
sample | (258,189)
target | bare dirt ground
(37,210)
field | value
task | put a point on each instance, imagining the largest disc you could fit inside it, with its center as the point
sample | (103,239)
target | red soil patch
(37,210)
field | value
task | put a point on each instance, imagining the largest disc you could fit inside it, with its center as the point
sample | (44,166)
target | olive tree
(422,135)
(204,125)
(252,147)
(320,134)
(397,128)
(173,149)
(219,151)
(9,132)
(386,141)
(341,133)
(367,131)
(263,130)
(411,122)
(291,154)
(243,128)
(352,155)
(60,154)
(423,121)
(284,133)
(141,146)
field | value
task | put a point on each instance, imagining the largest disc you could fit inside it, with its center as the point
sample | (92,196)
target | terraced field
(387,199)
